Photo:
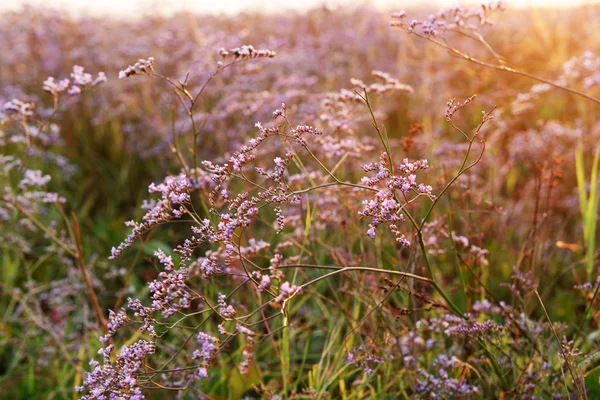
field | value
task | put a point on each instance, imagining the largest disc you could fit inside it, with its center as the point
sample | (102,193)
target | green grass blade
(591,216)
(580,172)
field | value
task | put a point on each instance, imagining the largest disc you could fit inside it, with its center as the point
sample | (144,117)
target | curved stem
(458,53)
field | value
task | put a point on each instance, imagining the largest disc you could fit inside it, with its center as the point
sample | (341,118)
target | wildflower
(286,291)
(141,67)
(22,108)
(175,195)
(226,311)
(115,322)
(34,178)
(169,292)
(207,353)
(452,108)
(384,207)
(453,19)
(51,86)
(110,380)
(248,349)
(280,112)
(280,219)
(247,52)
(79,79)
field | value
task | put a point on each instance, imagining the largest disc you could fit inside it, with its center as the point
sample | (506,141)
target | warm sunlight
(352,200)
(133,7)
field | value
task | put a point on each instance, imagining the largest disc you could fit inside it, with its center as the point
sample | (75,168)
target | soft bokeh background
(518,209)
(137,7)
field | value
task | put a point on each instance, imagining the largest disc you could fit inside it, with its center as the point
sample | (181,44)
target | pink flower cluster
(385,207)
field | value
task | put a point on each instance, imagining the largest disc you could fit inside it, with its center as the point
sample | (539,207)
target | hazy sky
(130,7)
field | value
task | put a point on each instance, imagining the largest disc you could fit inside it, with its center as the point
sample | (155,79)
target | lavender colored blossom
(120,378)
(142,66)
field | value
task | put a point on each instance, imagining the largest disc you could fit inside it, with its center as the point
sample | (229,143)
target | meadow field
(337,204)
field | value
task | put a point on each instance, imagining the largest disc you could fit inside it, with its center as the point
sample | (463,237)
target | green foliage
(588,204)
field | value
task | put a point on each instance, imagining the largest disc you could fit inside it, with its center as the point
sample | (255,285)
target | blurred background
(135,7)
(105,146)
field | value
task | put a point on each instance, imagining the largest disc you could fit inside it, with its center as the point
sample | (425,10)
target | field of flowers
(338,204)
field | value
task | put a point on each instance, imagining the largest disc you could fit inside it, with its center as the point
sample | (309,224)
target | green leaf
(580,171)
(308,218)
(592,383)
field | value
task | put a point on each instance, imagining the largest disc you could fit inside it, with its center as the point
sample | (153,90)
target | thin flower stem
(53,237)
(130,273)
(383,139)
(345,269)
(462,168)
(582,393)
(86,276)
(53,334)
(587,312)
(337,183)
(465,56)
